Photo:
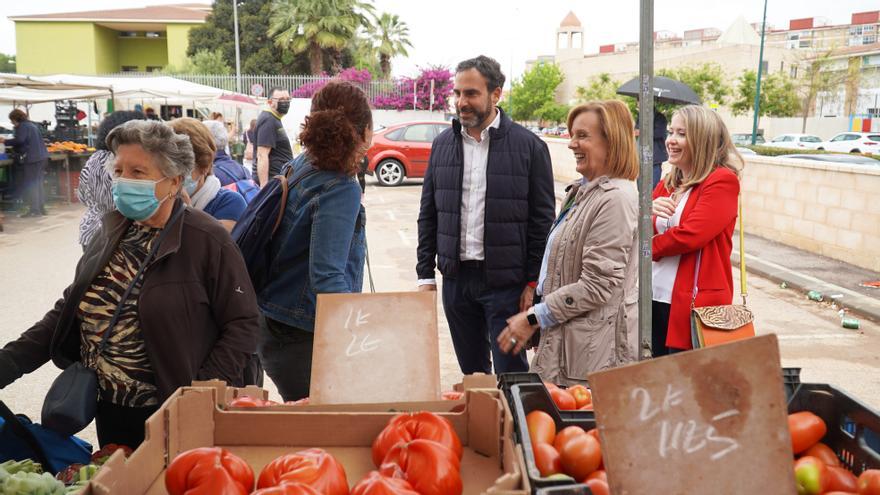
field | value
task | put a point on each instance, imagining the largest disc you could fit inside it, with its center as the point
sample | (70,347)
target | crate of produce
(579,489)
(529,397)
(853,429)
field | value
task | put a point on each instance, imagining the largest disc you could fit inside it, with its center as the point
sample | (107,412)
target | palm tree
(313,26)
(391,36)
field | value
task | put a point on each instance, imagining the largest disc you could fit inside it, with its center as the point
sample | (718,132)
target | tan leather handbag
(713,325)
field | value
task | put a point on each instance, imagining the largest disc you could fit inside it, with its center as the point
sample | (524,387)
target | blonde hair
(710,147)
(616,125)
(202,141)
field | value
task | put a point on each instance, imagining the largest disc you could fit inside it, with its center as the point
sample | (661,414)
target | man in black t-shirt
(270,138)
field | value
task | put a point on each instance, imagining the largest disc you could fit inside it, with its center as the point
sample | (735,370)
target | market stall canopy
(21,88)
(238,100)
(159,87)
(55,83)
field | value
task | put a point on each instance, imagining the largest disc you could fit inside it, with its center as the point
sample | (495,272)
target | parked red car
(402,150)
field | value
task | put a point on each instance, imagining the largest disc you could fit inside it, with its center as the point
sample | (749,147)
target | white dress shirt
(664,271)
(473,195)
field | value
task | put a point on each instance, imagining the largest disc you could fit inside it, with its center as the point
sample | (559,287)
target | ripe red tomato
(542,428)
(407,427)
(211,470)
(431,468)
(598,487)
(823,453)
(581,456)
(563,400)
(582,396)
(806,430)
(546,459)
(452,395)
(840,493)
(840,479)
(599,474)
(549,386)
(376,483)
(288,489)
(869,482)
(567,434)
(313,467)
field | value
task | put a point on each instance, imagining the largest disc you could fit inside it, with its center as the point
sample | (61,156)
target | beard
(476,116)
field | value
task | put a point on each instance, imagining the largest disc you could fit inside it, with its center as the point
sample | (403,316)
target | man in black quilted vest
(487,206)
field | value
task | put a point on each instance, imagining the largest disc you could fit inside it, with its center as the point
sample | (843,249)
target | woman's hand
(663,207)
(516,334)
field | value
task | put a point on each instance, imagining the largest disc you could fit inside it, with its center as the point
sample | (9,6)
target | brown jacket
(197,308)
(591,285)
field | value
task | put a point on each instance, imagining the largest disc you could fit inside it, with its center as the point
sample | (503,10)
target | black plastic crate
(791,379)
(528,397)
(853,428)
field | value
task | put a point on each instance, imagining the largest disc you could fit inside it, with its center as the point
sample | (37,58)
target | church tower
(569,38)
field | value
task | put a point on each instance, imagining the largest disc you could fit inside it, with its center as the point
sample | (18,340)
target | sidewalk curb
(864,306)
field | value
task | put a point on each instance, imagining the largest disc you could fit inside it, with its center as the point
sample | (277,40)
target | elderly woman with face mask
(192,314)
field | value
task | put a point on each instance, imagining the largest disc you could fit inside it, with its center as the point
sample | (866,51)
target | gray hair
(173,152)
(218,130)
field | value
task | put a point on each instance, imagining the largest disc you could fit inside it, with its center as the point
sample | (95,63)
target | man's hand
(428,288)
(527,298)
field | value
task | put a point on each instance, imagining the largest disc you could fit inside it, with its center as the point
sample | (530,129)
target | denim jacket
(319,247)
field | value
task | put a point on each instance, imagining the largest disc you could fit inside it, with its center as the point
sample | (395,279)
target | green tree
(259,55)
(779,96)
(552,112)
(7,63)
(534,90)
(203,62)
(315,26)
(604,87)
(391,38)
(816,78)
(707,80)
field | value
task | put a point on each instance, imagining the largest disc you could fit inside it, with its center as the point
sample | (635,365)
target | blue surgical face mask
(190,185)
(135,198)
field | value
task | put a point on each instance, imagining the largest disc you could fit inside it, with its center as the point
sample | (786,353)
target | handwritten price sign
(375,348)
(707,421)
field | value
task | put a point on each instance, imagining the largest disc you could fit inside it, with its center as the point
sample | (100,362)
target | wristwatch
(530,315)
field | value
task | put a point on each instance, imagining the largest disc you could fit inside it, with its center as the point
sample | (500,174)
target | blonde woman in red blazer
(694,213)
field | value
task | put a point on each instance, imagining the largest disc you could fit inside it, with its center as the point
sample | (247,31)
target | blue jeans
(286,355)
(477,314)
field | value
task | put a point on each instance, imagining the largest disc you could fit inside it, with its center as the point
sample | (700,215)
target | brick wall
(828,209)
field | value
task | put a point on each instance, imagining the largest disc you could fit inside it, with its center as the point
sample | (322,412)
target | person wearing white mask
(161,298)
(203,189)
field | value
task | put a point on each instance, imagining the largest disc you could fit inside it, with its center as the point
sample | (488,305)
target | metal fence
(260,83)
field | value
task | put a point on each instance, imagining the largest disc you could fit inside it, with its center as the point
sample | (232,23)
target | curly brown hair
(201,139)
(333,133)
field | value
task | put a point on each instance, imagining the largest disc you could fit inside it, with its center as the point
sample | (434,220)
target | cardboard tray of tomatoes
(528,397)
(853,428)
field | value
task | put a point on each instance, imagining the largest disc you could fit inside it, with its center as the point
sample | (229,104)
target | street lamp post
(646,171)
(758,83)
(237,50)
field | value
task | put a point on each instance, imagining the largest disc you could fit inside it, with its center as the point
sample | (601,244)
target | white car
(853,142)
(795,141)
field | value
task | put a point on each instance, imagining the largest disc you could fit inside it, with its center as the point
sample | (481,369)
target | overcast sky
(513,31)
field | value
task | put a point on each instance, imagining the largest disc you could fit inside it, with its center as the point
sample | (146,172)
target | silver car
(796,141)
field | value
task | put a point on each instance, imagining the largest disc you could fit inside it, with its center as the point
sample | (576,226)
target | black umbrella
(666,90)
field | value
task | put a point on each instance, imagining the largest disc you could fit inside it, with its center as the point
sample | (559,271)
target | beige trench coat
(591,285)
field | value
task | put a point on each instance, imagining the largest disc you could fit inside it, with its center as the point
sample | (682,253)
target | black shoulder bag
(72,400)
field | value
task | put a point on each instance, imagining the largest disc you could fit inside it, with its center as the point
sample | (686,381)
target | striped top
(125,375)
(94,193)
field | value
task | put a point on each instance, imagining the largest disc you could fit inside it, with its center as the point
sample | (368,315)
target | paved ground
(37,259)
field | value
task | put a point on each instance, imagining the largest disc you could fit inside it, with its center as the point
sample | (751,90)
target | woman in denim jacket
(319,246)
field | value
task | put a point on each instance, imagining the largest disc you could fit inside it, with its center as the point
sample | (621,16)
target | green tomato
(808,476)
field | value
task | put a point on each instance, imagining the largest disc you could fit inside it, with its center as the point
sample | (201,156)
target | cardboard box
(191,418)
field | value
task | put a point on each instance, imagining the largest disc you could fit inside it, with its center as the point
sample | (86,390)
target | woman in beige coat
(588,282)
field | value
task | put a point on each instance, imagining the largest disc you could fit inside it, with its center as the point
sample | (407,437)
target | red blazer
(707,223)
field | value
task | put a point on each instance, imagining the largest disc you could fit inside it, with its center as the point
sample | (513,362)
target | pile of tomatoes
(817,469)
(416,454)
(571,451)
(576,397)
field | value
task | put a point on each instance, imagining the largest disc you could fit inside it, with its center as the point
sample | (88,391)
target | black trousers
(659,329)
(32,186)
(120,424)
(286,355)
(477,314)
